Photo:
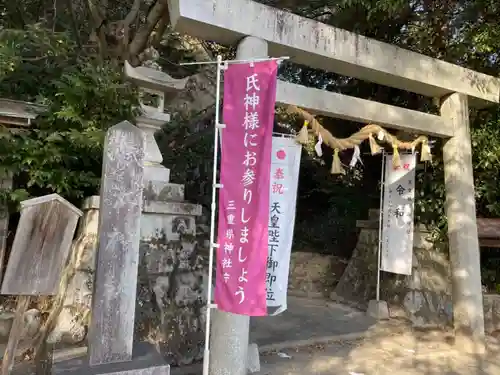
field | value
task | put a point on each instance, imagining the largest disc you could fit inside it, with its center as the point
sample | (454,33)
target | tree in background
(68,55)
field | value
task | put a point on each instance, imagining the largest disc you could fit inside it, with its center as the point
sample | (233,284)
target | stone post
(111,330)
(462,228)
(230,332)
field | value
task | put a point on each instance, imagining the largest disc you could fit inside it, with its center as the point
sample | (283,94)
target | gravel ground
(409,353)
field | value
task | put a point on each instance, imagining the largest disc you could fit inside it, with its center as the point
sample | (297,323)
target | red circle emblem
(281,154)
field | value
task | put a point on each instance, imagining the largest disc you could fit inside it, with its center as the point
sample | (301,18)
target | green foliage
(62,150)
(486,156)
(31,59)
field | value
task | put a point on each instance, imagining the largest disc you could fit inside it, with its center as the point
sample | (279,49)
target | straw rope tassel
(303,136)
(336,165)
(374,146)
(426,152)
(396,160)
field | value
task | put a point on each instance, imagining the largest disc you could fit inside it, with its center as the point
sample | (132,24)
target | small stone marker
(111,329)
(39,252)
(41,246)
(378,310)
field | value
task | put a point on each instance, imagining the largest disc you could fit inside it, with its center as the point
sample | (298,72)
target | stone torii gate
(262,31)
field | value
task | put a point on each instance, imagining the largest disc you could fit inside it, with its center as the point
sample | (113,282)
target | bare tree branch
(157,35)
(134,11)
(141,38)
(98,14)
(54,15)
(129,19)
(200,90)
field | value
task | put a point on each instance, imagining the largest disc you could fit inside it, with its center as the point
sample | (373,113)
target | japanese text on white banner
(397,216)
(285,165)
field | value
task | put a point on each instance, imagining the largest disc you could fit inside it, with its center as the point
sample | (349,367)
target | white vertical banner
(397,216)
(285,165)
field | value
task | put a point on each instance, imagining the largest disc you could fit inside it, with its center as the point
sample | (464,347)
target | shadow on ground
(308,320)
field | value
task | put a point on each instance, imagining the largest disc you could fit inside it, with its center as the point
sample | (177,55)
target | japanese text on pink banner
(249,99)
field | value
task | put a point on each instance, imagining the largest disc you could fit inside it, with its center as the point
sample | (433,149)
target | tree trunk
(199,95)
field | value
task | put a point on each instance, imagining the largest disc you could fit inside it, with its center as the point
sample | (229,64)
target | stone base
(161,191)
(378,310)
(156,173)
(253,364)
(145,361)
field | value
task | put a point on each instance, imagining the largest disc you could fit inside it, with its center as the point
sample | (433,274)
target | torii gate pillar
(230,332)
(468,315)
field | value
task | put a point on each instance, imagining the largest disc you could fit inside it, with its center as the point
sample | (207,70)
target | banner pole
(379,251)
(213,245)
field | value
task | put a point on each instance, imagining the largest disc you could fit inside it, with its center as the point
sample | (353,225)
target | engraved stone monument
(112,324)
(111,330)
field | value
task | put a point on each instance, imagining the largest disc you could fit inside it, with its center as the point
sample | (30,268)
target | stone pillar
(111,329)
(462,228)
(230,332)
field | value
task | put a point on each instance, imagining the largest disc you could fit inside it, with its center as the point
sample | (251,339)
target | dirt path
(409,353)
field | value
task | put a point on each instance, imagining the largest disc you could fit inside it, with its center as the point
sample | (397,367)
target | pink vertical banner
(249,99)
